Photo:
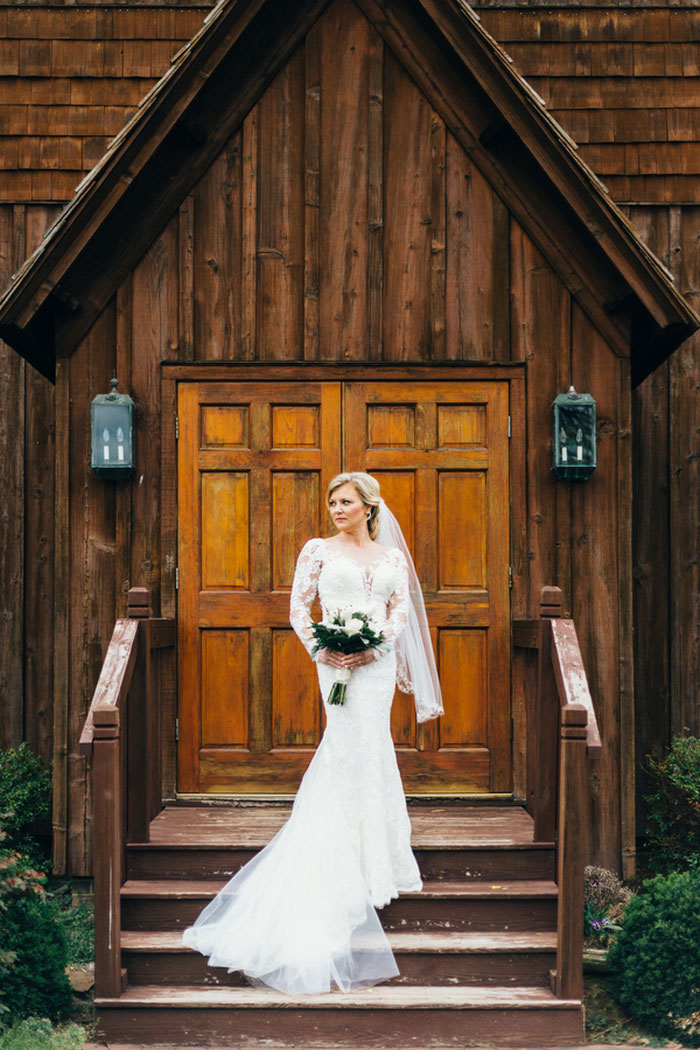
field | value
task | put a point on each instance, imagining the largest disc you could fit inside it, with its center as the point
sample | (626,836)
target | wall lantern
(574,437)
(113,435)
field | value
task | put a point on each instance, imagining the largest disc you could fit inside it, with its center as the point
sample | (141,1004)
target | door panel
(440,454)
(254,460)
(254,463)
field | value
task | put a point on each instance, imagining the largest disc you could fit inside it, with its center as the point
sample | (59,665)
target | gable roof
(180,126)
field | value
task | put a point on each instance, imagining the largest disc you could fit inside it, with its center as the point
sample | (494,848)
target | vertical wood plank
(348,43)
(92,572)
(312,198)
(375,199)
(40,452)
(154,334)
(280,275)
(477,263)
(651,542)
(540,333)
(408,220)
(597,576)
(61,618)
(438,146)
(12,510)
(216,257)
(249,236)
(186,278)
(122,561)
(625,621)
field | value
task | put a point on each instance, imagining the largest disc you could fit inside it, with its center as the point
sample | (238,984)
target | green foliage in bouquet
(655,961)
(25,793)
(350,631)
(674,807)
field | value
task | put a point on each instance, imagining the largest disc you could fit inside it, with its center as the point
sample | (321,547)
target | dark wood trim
(168,594)
(276,372)
(625,561)
(61,669)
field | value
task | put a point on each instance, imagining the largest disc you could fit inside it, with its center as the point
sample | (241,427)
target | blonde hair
(367,489)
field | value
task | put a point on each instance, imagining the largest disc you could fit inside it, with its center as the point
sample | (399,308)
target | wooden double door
(254,460)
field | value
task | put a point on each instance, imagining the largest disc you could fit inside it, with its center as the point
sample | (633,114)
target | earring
(369,514)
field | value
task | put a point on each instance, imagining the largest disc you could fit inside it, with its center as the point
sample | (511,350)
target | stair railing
(563,737)
(122,733)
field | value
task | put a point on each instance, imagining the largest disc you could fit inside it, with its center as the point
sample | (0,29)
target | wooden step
(450,842)
(165,904)
(536,861)
(386,1015)
(425,958)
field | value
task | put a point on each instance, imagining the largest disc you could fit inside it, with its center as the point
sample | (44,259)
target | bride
(301,916)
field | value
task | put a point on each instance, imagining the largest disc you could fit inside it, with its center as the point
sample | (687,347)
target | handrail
(115,677)
(122,733)
(564,736)
(572,682)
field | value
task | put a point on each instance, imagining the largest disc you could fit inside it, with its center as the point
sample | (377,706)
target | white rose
(353,626)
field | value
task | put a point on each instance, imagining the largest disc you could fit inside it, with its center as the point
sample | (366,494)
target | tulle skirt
(300,916)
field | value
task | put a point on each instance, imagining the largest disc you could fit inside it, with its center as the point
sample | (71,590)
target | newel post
(141,745)
(108,818)
(572,849)
(546,720)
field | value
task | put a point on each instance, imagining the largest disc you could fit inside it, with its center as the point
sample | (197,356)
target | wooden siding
(666,512)
(69,80)
(620,78)
(27,451)
(623,80)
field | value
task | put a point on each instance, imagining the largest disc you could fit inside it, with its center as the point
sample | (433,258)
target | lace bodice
(379,588)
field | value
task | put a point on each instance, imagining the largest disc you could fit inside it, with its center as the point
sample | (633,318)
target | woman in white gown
(300,917)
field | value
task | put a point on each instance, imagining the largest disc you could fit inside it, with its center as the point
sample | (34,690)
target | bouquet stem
(337,693)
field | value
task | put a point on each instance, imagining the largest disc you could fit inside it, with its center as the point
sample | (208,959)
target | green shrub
(35,981)
(78,921)
(674,807)
(25,793)
(39,1034)
(655,959)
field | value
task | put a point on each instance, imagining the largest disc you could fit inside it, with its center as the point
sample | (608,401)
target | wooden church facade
(337,231)
(341,235)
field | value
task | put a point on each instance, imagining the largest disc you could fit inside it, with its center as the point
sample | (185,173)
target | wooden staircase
(489,951)
(475,948)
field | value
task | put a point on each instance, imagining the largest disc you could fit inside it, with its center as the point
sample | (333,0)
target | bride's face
(348,512)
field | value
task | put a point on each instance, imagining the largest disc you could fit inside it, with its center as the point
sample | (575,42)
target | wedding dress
(300,916)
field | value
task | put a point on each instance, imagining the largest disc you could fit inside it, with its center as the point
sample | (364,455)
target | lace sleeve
(398,605)
(304,590)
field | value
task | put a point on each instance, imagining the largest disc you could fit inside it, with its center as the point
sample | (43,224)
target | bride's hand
(349,660)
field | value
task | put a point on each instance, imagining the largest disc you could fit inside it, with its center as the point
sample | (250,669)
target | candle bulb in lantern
(105,442)
(579,444)
(564,450)
(120,444)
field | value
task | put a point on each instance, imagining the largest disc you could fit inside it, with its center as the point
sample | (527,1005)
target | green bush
(78,921)
(34,981)
(25,793)
(655,959)
(674,807)
(39,1034)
